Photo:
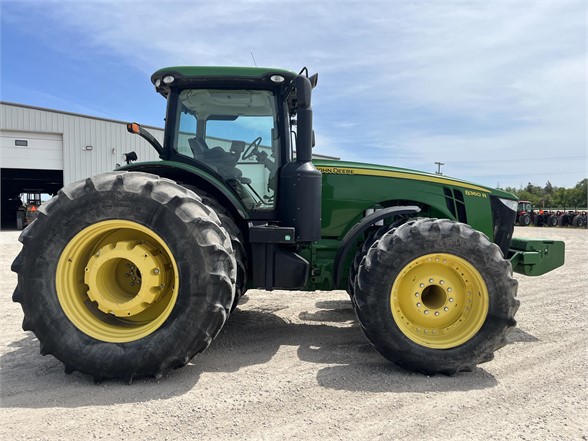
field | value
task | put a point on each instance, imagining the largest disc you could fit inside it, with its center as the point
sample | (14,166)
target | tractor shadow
(517,335)
(329,334)
(358,367)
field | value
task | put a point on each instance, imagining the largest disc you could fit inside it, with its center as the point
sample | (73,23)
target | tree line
(554,197)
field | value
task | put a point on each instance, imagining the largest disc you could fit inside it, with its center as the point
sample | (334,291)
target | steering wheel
(252,148)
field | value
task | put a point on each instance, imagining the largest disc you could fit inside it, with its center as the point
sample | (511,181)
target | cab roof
(218,74)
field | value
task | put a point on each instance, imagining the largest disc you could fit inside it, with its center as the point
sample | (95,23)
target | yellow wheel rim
(439,301)
(117,281)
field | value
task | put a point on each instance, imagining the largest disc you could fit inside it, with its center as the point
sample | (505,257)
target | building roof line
(80,115)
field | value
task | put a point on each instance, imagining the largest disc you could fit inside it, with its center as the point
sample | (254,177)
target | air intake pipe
(300,181)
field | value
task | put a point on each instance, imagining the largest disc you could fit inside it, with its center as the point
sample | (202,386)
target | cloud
(404,83)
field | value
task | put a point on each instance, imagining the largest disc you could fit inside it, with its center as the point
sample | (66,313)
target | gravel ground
(294,365)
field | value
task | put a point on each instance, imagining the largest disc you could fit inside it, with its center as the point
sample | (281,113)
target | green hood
(358,168)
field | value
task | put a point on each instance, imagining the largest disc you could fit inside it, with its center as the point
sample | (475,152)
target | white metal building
(42,150)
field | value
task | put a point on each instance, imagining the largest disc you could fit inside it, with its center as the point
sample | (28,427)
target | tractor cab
(236,124)
(525,207)
(240,127)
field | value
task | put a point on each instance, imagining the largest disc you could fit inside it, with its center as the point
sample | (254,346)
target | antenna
(253,59)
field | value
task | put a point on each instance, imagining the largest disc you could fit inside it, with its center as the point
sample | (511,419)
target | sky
(495,90)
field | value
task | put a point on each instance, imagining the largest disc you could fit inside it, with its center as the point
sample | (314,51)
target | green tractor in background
(137,270)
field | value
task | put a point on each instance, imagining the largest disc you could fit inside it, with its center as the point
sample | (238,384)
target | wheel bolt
(430,280)
(451,299)
(156,271)
(441,282)
(446,309)
(426,311)
(449,290)
(422,285)
(436,312)
(416,294)
(418,305)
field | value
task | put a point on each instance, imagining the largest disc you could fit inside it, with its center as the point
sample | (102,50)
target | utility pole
(439,164)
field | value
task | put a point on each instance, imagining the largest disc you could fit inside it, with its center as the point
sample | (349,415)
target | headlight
(168,79)
(513,205)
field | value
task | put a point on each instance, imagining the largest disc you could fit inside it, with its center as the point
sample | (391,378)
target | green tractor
(137,270)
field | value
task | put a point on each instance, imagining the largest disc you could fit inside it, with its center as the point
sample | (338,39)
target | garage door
(31,150)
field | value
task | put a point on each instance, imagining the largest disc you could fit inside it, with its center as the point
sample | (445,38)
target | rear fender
(186,174)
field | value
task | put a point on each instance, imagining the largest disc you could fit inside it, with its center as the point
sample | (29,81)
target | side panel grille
(456,204)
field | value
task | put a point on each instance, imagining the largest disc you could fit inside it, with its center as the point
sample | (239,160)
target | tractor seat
(198,147)
(218,159)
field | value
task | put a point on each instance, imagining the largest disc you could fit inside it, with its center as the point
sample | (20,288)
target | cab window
(234,133)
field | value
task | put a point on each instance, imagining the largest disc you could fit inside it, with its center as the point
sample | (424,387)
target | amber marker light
(133,128)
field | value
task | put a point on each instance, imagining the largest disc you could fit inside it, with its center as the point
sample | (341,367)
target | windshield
(233,132)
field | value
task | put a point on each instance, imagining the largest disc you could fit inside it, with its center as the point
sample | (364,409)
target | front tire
(124,275)
(435,296)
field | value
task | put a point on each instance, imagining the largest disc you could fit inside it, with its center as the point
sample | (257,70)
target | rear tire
(525,220)
(237,241)
(552,221)
(79,262)
(435,296)
(538,221)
